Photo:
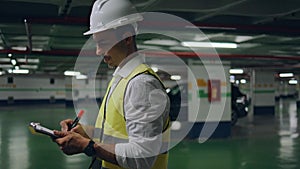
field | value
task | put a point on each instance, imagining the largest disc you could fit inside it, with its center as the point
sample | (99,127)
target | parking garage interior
(200,49)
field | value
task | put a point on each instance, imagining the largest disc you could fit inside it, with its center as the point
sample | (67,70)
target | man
(133,116)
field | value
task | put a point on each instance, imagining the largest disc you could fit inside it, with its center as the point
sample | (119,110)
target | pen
(76,120)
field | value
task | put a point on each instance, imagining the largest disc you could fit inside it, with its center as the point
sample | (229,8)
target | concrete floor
(260,142)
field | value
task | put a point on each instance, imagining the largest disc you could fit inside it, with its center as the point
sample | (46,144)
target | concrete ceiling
(267,32)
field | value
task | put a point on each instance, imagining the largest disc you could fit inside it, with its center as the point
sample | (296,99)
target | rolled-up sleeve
(146,107)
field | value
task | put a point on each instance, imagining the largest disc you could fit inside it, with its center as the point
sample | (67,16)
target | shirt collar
(129,64)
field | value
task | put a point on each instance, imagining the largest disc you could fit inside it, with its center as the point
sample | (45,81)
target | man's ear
(128,37)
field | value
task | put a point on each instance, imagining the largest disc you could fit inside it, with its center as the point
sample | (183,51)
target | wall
(39,89)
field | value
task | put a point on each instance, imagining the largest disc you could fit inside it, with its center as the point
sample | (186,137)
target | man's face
(111,46)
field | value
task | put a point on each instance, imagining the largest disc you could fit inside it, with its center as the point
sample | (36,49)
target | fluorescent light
(286,74)
(71,73)
(25,60)
(22,48)
(236,71)
(175,77)
(6,66)
(2,73)
(240,39)
(81,77)
(13,62)
(29,66)
(149,47)
(211,27)
(293,81)
(37,49)
(208,44)
(165,42)
(232,79)
(9,55)
(180,48)
(20,71)
(4,59)
(243,81)
(17,67)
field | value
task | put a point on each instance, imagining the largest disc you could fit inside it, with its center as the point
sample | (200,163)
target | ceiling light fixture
(149,47)
(37,49)
(164,42)
(20,71)
(13,62)
(211,27)
(293,81)
(81,77)
(232,79)
(175,77)
(6,66)
(286,74)
(208,44)
(236,71)
(29,66)
(243,81)
(25,60)
(71,73)
(241,38)
(4,59)
(21,48)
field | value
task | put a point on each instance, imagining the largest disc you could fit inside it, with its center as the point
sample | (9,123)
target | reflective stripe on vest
(114,121)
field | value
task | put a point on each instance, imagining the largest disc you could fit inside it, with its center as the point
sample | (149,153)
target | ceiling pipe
(219,10)
(64,11)
(29,35)
(75,53)
(6,46)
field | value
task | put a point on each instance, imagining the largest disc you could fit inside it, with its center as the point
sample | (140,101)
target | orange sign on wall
(214,90)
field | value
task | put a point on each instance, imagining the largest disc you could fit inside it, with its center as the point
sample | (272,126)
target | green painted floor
(264,142)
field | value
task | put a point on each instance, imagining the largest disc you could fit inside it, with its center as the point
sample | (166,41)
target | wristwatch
(89,150)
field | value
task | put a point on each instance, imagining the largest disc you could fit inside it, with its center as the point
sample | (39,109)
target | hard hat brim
(90,32)
(133,18)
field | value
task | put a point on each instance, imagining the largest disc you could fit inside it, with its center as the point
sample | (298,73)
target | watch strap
(89,150)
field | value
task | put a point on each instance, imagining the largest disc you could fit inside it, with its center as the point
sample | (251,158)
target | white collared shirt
(146,108)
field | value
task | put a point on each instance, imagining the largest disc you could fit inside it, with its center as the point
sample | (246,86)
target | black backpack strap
(148,73)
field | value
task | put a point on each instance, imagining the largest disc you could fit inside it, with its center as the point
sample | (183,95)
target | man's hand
(78,129)
(65,124)
(71,142)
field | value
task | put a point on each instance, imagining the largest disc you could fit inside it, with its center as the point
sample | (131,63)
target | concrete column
(298,90)
(209,102)
(68,91)
(263,92)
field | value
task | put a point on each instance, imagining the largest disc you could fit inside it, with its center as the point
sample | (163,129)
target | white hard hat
(108,14)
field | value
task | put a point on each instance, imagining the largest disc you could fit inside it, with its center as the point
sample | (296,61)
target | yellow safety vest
(114,121)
